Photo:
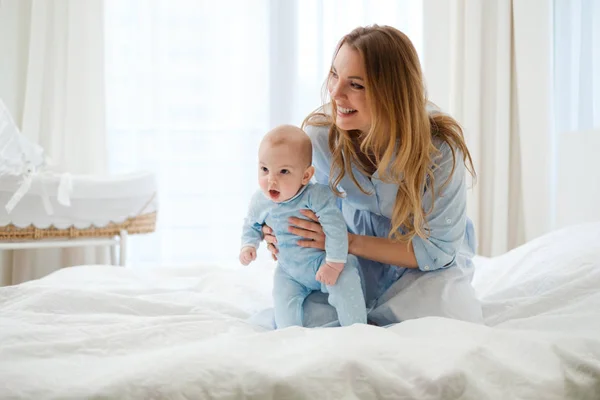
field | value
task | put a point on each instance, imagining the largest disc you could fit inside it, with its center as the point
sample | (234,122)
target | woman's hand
(271,241)
(311,231)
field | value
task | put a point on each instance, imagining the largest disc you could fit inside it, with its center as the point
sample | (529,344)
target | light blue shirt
(451,239)
(316,197)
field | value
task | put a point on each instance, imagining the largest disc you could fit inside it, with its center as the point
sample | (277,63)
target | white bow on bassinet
(20,157)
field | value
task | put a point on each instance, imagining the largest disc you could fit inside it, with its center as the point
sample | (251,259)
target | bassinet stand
(119,241)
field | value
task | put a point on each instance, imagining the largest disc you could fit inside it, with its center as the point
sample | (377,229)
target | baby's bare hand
(247,255)
(328,274)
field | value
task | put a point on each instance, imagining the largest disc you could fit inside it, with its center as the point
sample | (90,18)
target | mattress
(64,204)
(176,333)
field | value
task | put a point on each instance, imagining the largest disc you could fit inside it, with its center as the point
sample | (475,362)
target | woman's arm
(446,224)
(378,249)
(382,250)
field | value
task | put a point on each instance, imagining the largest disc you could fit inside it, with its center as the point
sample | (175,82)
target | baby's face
(280,171)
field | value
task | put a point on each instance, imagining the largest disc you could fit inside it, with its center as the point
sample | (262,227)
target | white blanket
(110,332)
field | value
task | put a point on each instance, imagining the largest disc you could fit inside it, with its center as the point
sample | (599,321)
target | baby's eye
(264,169)
(285,171)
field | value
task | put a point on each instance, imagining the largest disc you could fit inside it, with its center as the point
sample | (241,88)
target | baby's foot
(329,272)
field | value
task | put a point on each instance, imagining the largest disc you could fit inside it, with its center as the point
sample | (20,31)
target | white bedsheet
(110,332)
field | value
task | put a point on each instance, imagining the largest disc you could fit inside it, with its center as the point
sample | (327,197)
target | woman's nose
(335,90)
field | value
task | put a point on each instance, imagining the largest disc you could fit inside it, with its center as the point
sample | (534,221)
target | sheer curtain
(193,85)
(577,65)
(52,78)
(489,63)
(577,110)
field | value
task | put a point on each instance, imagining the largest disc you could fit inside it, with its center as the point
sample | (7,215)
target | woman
(399,167)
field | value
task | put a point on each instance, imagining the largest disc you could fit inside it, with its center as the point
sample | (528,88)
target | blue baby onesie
(294,277)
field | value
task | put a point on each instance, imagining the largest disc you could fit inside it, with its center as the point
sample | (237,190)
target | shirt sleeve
(322,202)
(251,231)
(321,155)
(446,223)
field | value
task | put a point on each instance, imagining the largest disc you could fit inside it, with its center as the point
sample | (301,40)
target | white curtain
(577,105)
(190,96)
(577,65)
(489,64)
(54,87)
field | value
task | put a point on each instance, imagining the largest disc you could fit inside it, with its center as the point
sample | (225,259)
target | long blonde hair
(399,144)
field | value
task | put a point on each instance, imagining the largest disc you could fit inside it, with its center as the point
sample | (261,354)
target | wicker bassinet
(99,207)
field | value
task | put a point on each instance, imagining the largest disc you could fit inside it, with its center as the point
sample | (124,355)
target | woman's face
(346,85)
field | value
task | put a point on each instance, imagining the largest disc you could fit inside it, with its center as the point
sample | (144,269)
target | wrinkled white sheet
(110,332)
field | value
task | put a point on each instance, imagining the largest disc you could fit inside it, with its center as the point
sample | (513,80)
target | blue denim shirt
(451,239)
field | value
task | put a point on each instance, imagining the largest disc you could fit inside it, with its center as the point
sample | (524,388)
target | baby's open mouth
(274,193)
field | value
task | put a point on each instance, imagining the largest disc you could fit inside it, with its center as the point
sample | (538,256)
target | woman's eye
(285,171)
(357,86)
(333,74)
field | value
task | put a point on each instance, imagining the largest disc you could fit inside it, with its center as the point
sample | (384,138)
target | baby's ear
(308,174)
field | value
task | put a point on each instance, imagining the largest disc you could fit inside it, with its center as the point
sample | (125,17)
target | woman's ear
(308,174)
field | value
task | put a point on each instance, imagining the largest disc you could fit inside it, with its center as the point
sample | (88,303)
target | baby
(284,174)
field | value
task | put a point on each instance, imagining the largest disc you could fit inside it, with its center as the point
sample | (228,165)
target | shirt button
(426,268)
(448,220)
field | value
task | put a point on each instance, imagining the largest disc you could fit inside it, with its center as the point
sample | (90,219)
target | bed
(180,333)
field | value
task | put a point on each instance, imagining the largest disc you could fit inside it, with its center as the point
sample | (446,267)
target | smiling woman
(398,166)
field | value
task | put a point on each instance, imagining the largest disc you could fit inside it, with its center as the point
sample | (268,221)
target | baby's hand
(247,255)
(329,272)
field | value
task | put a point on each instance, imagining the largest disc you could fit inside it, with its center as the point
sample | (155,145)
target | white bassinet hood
(18,154)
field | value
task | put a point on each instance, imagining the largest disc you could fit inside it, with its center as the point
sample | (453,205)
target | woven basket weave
(144,223)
